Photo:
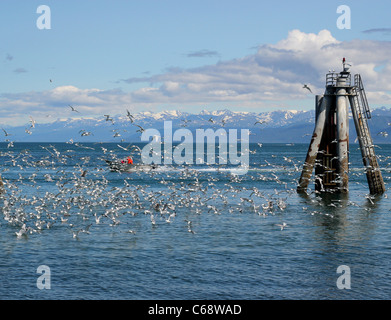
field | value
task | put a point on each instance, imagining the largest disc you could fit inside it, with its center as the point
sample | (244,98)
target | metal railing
(331,78)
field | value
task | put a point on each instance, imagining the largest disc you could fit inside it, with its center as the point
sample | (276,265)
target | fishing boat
(122,166)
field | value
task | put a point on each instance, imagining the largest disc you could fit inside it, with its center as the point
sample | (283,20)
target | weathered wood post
(329,146)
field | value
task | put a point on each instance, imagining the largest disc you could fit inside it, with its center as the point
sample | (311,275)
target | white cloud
(273,76)
(275,73)
(53,104)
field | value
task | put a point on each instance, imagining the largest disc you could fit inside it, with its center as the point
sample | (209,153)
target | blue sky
(109,56)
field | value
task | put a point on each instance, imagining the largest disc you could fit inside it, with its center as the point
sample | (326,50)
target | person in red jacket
(130,160)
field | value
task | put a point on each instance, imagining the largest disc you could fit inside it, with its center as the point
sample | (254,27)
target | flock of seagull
(57,188)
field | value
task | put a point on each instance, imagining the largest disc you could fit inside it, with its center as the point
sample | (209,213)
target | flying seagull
(129,116)
(141,128)
(85,133)
(6,133)
(306,87)
(383,133)
(73,109)
(32,122)
(109,119)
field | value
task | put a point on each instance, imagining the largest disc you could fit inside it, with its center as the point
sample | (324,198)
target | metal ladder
(363,97)
(361,112)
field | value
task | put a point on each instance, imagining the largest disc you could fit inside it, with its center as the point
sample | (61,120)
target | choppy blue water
(199,233)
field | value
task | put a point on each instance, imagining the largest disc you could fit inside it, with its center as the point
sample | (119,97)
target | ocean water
(186,232)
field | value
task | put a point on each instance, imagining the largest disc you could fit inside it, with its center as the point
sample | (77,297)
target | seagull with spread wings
(73,109)
(6,133)
(307,87)
(141,128)
(129,115)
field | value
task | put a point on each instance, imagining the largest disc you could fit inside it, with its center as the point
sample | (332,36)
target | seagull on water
(282,226)
(189,226)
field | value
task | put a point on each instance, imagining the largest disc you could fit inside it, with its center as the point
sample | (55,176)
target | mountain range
(282,126)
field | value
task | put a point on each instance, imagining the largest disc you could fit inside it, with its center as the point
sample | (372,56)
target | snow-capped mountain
(285,126)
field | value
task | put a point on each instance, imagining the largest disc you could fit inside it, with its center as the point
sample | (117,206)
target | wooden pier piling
(329,147)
